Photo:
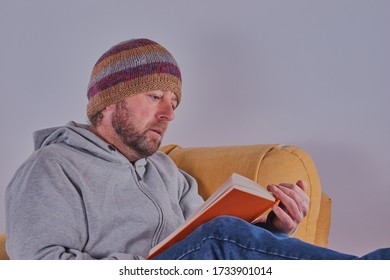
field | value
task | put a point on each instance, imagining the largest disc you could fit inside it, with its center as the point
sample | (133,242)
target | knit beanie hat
(130,68)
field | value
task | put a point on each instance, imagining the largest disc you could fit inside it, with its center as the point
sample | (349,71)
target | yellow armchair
(265,164)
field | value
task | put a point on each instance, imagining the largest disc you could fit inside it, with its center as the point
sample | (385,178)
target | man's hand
(293,206)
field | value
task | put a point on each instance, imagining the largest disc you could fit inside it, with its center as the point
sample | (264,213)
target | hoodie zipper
(156,203)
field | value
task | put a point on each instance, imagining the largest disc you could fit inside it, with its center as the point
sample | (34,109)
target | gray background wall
(308,73)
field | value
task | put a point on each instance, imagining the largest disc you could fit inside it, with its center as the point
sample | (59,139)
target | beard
(132,136)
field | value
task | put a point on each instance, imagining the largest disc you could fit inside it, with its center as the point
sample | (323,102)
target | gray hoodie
(77,197)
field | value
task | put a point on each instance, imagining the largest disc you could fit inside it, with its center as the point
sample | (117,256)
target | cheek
(142,112)
(142,119)
(146,114)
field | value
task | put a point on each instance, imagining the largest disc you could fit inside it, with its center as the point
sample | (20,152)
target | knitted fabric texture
(130,68)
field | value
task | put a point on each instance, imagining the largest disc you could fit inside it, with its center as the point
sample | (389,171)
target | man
(103,191)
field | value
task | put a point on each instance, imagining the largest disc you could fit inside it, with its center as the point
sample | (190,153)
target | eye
(155,97)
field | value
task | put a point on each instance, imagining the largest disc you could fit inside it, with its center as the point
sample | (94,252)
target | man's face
(140,121)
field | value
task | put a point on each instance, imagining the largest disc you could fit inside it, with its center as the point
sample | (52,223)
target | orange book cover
(238,196)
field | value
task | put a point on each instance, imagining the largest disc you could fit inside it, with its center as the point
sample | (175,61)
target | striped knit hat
(130,68)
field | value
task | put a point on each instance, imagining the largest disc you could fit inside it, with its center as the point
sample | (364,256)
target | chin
(150,149)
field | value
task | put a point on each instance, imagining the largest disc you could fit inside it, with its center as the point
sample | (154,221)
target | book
(238,196)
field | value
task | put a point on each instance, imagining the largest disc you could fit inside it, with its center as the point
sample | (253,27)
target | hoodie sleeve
(190,199)
(45,215)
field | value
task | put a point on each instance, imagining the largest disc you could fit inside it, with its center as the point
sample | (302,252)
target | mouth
(158,131)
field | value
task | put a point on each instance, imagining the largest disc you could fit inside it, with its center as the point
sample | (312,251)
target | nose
(166,112)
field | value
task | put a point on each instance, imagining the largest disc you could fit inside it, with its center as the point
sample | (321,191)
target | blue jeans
(230,238)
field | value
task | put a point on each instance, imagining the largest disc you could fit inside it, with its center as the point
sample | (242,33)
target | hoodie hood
(79,137)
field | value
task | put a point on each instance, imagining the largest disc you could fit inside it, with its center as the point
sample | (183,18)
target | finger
(282,220)
(298,194)
(302,204)
(294,200)
(286,200)
(296,188)
(302,184)
(286,191)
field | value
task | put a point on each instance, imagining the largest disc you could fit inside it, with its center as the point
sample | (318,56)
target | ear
(107,112)
(110,108)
